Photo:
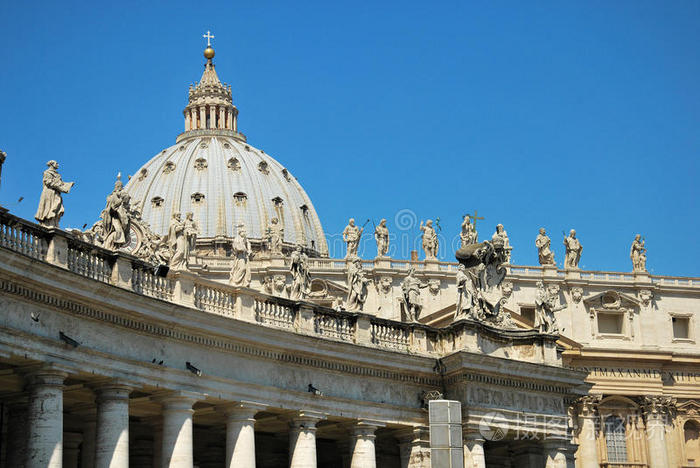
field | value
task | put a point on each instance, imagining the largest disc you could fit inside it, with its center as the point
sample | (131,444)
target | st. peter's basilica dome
(213,173)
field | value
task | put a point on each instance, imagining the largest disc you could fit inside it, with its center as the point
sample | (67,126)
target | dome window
(240,198)
(204,145)
(157,202)
(263,167)
(247,148)
(278,202)
(226,145)
(197,198)
(304,210)
(182,148)
(285,174)
(143,173)
(169,167)
(200,164)
(234,164)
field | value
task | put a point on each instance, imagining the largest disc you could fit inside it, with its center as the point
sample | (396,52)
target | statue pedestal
(432,264)
(642,277)
(573,274)
(549,271)
(382,262)
(276,260)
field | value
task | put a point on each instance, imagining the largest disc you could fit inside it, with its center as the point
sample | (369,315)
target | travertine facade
(262,352)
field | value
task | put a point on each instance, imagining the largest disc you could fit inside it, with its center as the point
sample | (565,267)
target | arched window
(240,198)
(691,431)
(615,439)
(197,198)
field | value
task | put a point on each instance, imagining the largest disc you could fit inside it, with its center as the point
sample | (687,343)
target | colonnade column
(112,442)
(240,434)
(87,452)
(45,419)
(177,429)
(588,447)
(474,455)
(302,439)
(414,447)
(656,410)
(222,117)
(363,447)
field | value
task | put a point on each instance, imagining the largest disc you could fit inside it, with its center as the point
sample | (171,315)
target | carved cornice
(220,343)
(467,376)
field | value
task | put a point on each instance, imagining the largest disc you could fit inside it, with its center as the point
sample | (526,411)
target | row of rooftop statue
(480,293)
(352,235)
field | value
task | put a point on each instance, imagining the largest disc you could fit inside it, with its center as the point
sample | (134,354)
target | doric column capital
(242,410)
(111,390)
(47,376)
(365,428)
(306,420)
(177,401)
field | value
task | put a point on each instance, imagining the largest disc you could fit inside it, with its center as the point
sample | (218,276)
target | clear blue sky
(557,114)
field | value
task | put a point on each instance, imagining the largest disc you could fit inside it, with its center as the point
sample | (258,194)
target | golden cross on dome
(208,36)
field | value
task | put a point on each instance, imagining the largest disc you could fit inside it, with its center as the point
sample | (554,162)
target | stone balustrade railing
(64,250)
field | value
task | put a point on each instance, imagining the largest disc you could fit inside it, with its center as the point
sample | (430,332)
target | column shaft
(202,117)
(112,442)
(555,453)
(363,445)
(240,435)
(302,440)
(45,420)
(212,116)
(71,449)
(87,451)
(222,117)
(658,458)
(588,447)
(177,432)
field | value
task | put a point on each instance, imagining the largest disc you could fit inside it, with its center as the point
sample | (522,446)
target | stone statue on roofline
(51,208)
(638,254)
(468,235)
(573,251)
(381,235)
(546,305)
(430,239)
(544,252)
(352,235)
(191,231)
(357,286)
(3,155)
(240,274)
(177,242)
(274,236)
(479,279)
(301,279)
(116,220)
(503,236)
(410,289)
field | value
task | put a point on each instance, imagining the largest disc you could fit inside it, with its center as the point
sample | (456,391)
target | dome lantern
(210,110)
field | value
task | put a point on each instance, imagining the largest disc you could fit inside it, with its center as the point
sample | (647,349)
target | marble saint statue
(116,219)
(545,308)
(3,155)
(466,293)
(381,235)
(240,252)
(468,235)
(274,236)
(410,288)
(502,235)
(357,286)
(430,239)
(301,279)
(544,252)
(638,254)
(573,250)
(191,231)
(51,202)
(177,243)
(351,236)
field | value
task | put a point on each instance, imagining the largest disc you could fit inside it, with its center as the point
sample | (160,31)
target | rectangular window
(528,313)
(681,327)
(610,323)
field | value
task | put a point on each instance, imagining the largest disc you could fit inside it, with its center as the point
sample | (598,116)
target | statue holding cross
(469,235)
